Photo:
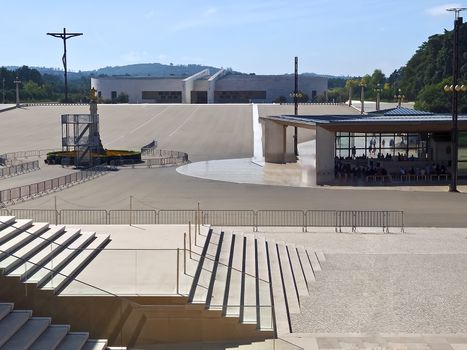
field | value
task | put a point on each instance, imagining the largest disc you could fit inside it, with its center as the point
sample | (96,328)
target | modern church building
(202,87)
(393,146)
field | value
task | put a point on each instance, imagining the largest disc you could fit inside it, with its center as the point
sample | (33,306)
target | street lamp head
(460,88)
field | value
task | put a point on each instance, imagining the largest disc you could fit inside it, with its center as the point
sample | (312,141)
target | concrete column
(325,141)
(274,142)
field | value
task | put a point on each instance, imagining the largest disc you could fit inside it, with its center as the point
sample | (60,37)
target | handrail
(54,272)
(18,169)
(19,193)
(248,218)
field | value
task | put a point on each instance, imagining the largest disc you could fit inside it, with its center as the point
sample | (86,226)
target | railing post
(255,221)
(131,207)
(184,253)
(189,238)
(178,270)
(55,208)
(402,224)
(304,221)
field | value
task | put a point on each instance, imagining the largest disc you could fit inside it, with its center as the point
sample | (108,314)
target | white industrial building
(202,87)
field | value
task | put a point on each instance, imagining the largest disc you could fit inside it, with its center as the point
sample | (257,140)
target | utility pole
(17,83)
(295,101)
(455,99)
(65,36)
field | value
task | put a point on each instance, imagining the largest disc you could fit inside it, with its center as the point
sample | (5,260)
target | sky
(336,37)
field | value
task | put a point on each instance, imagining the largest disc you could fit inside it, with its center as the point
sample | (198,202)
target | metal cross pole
(295,101)
(455,100)
(65,36)
(17,82)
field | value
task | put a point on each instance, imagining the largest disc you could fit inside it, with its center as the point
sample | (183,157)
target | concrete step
(5,309)
(314,261)
(297,270)
(282,317)
(60,280)
(27,251)
(22,238)
(11,323)
(27,334)
(306,266)
(214,270)
(46,253)
(11,231)
(199,288)
(232,307)
(95,344)
(288,280)
(264,290)
(51,337)
(321,257)
(44,274)
(217,299)
(248,297)
(6,221)
(268,344)
(73,341)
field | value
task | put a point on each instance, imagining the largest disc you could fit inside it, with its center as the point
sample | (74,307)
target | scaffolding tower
(80,135)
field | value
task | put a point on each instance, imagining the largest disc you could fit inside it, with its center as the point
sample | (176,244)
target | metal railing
(26,154)
(13,195)
(19,169)
(337,219)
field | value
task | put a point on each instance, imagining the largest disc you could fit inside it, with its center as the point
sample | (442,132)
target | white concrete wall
(274,85)
(134,86)
(325,143)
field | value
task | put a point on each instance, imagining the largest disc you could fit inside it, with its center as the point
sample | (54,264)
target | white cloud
(440,10)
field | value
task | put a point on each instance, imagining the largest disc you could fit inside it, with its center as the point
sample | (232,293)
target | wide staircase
(257,280)
(19,330)
(47,256)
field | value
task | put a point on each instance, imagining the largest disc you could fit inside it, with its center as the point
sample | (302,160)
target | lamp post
(65,36)
(378,91)
(399,97)
(17,82)
(362,97)
(3,90)
(455,89)
(295,101)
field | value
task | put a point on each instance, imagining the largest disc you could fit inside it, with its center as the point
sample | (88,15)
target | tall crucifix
(64,36)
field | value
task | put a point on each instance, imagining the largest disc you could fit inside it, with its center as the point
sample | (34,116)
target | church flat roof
(398,115)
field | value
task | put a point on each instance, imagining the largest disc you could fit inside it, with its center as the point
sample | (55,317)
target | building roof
(400,111)
(398,115)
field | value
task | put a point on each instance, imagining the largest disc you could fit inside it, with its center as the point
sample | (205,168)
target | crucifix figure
(65,36)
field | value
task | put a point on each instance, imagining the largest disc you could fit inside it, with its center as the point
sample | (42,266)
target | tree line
(422,79)
(37,87)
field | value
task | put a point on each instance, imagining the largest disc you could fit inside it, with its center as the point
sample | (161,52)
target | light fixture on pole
(399,97)
(17,82)
(455,98)
(362,96)
(378,91)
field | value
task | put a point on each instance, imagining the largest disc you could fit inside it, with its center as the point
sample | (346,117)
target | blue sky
(330,37)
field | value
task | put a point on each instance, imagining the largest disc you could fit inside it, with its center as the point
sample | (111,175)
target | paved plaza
(375,291)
